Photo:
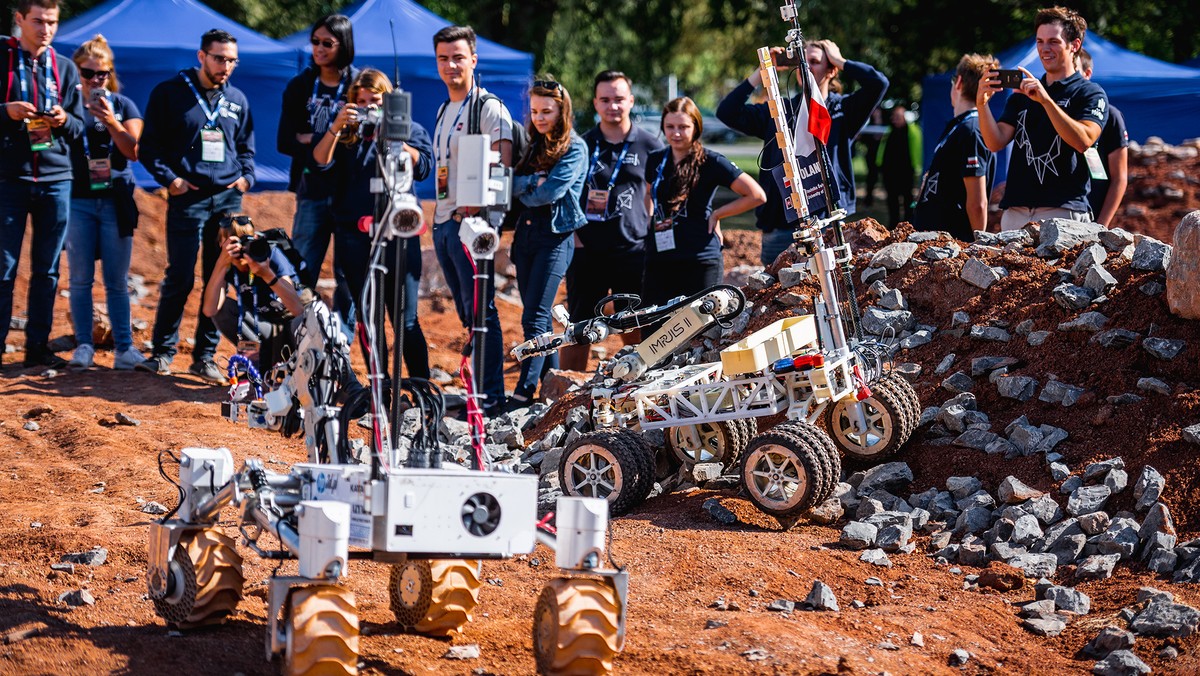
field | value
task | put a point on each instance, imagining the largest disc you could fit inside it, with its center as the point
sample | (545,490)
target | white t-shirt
(494,120)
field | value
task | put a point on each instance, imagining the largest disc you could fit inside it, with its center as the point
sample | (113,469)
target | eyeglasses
(222,59)
(547,84)
(88,73)
(327,43)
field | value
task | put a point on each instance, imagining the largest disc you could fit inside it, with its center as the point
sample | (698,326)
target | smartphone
(98,94)
(1009,79)
(782,60)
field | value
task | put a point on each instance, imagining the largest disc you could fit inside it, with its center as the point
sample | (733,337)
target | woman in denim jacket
(547,186)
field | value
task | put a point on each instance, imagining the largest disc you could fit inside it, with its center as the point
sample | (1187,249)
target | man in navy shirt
(43,116)
(850,114)
(610,249)
(954,192)
(199,144)
(1053,122)
(1113,151)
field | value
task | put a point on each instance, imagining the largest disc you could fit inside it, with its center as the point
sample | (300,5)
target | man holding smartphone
(43,116)
(1053,121)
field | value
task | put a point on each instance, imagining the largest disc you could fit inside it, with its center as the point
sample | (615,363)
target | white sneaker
(83,358)
(128,360)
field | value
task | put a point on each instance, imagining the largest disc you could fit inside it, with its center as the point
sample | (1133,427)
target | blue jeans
(774,243)
(541,258)
(192,223)
(459,273)
(312,228)
(93,229)
(352,251)
(48,205)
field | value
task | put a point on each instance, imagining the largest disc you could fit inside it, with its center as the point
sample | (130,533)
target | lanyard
(90,125)
(337,96)
(946,136)
(210,114)
(51,66)
(437,141)
(657,180)
(237,283)
(612,180)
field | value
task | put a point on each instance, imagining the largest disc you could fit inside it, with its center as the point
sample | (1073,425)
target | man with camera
(43,116)
(198,144)
(1053,121)
(266,292)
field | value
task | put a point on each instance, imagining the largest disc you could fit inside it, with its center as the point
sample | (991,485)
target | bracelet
(272,282)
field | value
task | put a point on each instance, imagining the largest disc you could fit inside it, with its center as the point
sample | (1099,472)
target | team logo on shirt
(973,162)
(1098,111)
(1040,162)
(931,186)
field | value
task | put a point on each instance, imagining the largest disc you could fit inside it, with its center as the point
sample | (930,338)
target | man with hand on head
(1052,121)
(43,116)
(199,144)
(610,249)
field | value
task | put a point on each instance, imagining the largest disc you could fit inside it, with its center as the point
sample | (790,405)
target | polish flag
(812,121)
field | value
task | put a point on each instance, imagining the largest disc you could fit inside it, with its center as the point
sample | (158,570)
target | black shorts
(594,275)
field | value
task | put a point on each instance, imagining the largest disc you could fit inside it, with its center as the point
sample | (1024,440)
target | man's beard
(215,79)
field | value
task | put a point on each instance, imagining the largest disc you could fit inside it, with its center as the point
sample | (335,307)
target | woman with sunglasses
(347,152)
(547,184)
(683,248)
(103,213)
(311,101)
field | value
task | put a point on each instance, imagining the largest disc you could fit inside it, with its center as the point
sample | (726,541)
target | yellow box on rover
(775,341)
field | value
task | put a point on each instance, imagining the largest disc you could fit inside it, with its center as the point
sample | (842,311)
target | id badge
(664,235)
(212,145)
(1094,164)
(247,347)
(100,173)
(597,204)
(443,182)
(39,134)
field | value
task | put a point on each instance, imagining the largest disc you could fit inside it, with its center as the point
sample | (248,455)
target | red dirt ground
(681,561)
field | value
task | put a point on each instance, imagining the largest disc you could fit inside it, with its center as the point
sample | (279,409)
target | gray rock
(1046,510)
(1087,499)
(958,658)
(1057,235)
(1070,485)
(1163,562)
(1108,640)
(1153,384)
(1116,480)
(1124,399)
(1058,392)
(720,513)
(470,651)
(1036,338)
(941,253)
(1191,434)
(790,277)
(1097,470)
(962,486)
(1098,280)
(891,476)
(959,318)
(1166,619)
(706,471)
(95,557)
(154,508)
(79,597)
(928,236)
(1169,653)
(958,382)
(1049,626)
(1088,321)
(916,340)
(1092,255)
(1094,523)
(1025,531)
(1158,520)
(1152,288)
(893,300)
(893,256)
(1163,348)
(1021,388)
(1150,254)
(984,365)
(876,557)
(976,439)
(1072,297)
(895,537)
(1069,600)
(1115,338)
(760,280)
(1012,491)
(1120,663)
(1148,487)
(1051,436)
(1153,595)
(994,334)
(1097,567)
(1026,438)
(781,606)
(974,555)
(945,364)
(858,535)
(978,274)
(977,499)
(1116,239)
(973,520)
(966,400)
(1059,471)
(1035,565)
(870,274)
(821,598)
(879,322)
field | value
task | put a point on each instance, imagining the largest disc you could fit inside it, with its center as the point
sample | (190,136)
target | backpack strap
(476,113)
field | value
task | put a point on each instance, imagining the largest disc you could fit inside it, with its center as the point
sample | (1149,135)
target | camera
(257,247)
(1009,79)
(369,118)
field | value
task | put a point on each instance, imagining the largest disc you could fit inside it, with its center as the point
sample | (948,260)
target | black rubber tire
(890,423)
(730,437)
(800,462)
(626,465)
(908,396)
(829,458)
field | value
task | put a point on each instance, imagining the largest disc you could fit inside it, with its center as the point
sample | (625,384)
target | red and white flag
(813,120)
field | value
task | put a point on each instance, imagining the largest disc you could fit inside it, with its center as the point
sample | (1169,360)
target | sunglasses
(547,84)
(88,73)
(222,59)
(327,44)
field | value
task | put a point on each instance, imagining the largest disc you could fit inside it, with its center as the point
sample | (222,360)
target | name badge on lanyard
(1095,165)
(597,204)
(664,234)
(212,145)
(100,173)
(443,182)
(39,134)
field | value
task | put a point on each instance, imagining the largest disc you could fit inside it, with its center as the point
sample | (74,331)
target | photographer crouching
(267,294)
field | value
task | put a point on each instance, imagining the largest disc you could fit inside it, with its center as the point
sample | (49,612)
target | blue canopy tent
(503,71)
(1156,97)
(153,40)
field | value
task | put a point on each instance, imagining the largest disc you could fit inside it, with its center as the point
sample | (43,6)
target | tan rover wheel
(575,627)
(321,632)
(205,580)
(434,597)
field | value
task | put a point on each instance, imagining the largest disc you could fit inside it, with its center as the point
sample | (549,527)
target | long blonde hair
(97,48)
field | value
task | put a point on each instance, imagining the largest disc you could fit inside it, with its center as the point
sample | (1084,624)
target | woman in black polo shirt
(683,248)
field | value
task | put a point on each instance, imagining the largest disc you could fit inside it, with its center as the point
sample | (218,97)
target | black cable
(176,484)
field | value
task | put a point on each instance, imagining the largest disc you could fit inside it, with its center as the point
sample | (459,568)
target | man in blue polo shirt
(1052,122)
(954,192)
(199,145)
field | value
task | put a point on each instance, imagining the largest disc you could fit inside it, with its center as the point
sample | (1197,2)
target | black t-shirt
(693,241)
(97,143)
(257,296)
(1044,171)
(960,153)
(625,228)
(1113,137)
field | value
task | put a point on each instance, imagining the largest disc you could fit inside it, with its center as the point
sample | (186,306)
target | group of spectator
(615,211)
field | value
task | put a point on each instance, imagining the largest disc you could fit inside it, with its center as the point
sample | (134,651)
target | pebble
(959,658)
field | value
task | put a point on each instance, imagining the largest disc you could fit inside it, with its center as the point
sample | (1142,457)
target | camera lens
(257,248)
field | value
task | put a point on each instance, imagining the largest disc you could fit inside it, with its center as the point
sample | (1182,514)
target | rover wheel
(782,472)
(205,580)
(434,597)
(828,460)
(321,632)
(907,395)
(575,627)
(616,466)
(721,442)
(888,427)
